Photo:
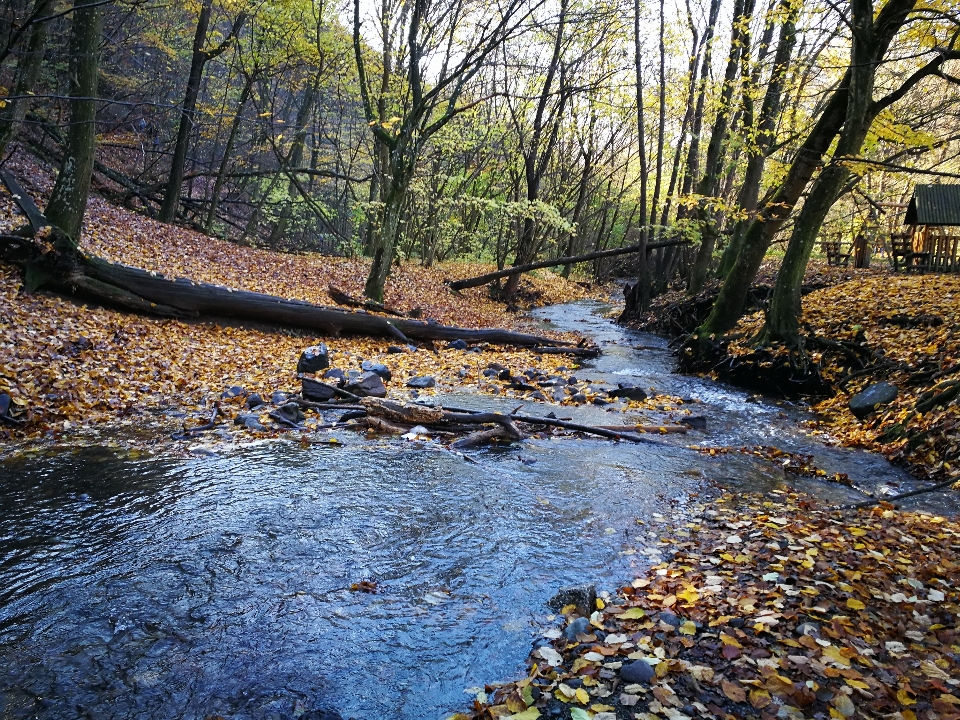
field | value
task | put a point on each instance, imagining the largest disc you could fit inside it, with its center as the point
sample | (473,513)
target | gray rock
(583,596)
(559,394)
(422,381)
(579,398)
(695,422)
(314,359)
(630,392)
(4,404)
(579,626)
(278,398)
(872,397)
(367,385)
(317,391)
(250,421)
(335,375)
(395,350)
(458,344)
(291,412)
(254,401)
(538,396)
(808,628)
(379,368)
(638,671)
(670,619)
(233,391)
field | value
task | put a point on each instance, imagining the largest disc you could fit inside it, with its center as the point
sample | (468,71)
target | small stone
(637,672)
(314,359)
(600,401)
(579,626)
(367,385)
(579,398)
(504,374)
(4,404)
(335,375)
(379,368)
(872,397)
(630,392)
(254,401)
(395,350)
(808,628)
(232,392)
(670,619)
(583,596)
(695,422)
(458,344)
(538,396)
(278,398)
(422,381)
(291,412)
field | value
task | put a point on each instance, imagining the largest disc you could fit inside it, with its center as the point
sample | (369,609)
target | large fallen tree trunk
(50,259)
(517,269)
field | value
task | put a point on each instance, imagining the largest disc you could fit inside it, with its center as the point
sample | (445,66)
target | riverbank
(879,327)
(761,606)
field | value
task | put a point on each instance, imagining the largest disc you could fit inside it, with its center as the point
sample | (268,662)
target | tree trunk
(68,202)
(766,128)
(228,150)
(713,165)
(28,72)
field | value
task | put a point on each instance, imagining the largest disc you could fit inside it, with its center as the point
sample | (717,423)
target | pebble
(638,671)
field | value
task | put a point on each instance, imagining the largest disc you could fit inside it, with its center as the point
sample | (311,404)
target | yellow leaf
(688,628)
(633,613)
(728,640)
(855,604)
(689,594)
(904,698)
(582,696)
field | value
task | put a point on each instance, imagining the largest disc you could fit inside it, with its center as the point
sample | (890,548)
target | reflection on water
(147,588)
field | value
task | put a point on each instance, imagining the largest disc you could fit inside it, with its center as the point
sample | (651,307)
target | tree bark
(28,72)
(68,202)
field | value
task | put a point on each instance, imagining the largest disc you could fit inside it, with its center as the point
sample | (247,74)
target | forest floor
(70,368)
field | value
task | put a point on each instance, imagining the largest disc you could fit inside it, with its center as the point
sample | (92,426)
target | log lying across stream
(51,259)
(398,417)
(518,269)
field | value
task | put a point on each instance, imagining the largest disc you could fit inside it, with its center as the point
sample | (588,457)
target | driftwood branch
(518,269)
(901,496)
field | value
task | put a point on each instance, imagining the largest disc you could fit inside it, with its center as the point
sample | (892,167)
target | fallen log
(661,429)
(586,352)
(51,259)
(518,269)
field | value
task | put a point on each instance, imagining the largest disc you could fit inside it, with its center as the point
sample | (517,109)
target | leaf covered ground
(67,365)
(761,607)
(903,329)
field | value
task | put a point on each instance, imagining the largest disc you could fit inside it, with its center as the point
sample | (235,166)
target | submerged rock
(630,392)
(872,397)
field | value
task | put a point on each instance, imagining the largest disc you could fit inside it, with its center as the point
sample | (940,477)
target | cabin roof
(934,205)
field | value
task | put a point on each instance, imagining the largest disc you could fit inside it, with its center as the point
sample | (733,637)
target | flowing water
(135,587)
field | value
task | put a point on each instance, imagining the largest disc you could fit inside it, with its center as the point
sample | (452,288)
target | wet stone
(584,597)
(232,392)
(379,368)
(422,381)
(670,619)
(630,392)
(4,404)
(314,359)
(869,399)
(254,400)
(317,391)
(335,375)
(367,385)
(395,350)
(637,672)
(458,344)
(291,412)
(694,422)
(278,398)
(579,626)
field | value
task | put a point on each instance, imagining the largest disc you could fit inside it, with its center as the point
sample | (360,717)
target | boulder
(367,385)
(317,391)
(694,422)
(314,359)
(872,397)
(379,368)
(254,401)
(630,392)
(584,597)
(458,344)
(422,382)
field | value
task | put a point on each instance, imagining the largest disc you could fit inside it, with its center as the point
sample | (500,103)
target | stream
(219,585)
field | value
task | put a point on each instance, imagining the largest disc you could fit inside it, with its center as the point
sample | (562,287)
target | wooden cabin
(927,241)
